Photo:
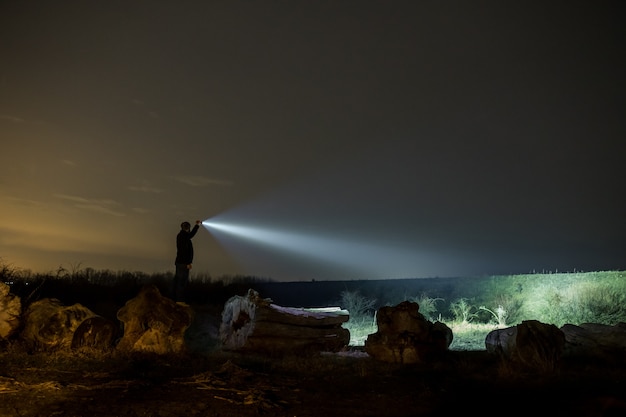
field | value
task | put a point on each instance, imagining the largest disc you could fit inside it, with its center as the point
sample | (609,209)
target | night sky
(367,139)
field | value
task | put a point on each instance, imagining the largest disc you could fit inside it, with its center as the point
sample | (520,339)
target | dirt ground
(211,382)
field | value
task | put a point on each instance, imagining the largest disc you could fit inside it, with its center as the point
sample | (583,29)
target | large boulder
(50,325)
(531,345)
(154,324)
(405,336)
(10,312)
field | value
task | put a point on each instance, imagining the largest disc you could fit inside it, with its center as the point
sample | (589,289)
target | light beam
(364,260)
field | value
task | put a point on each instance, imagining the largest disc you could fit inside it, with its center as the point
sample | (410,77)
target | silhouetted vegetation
(474,305)
(98,289)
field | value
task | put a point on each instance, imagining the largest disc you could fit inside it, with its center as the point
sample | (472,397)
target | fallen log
(154,323)
(50,325)
(255,324)
(529,346)
(405,336)
(595,340)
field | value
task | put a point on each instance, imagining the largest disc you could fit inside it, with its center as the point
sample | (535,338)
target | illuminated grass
(471,306)
(467,336)
(470,336)
(505,301)
(574,298)
(360,329)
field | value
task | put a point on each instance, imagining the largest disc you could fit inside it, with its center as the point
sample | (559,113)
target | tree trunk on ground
(595,340)
(254,324)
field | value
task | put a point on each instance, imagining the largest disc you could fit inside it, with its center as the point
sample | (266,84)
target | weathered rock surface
(50,325)
(405,336)
(153,323)
(531,345)
(252,323)
(10,312)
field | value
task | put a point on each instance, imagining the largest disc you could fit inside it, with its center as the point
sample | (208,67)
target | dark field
(208,381)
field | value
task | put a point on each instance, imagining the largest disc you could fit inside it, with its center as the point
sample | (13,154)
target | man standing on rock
(184,259)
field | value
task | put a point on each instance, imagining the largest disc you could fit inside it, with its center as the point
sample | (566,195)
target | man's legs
(181,279)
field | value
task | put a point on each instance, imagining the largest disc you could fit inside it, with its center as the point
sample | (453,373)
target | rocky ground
(211,382)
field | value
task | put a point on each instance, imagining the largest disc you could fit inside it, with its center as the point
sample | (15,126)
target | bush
(462,311)
(362,321)
(427,306)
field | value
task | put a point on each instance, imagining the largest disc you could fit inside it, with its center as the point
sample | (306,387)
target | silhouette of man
(184,259)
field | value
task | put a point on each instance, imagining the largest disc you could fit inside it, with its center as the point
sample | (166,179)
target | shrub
(462,310)
(8,273)
(428,306)
(583,302)
(362,316)
(499,315)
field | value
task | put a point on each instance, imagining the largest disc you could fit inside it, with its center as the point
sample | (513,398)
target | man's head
(185,226)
